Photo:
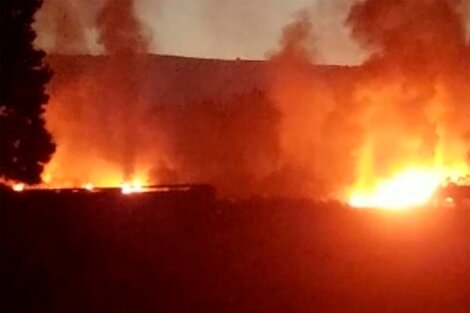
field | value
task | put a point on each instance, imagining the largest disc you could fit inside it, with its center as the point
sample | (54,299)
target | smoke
(112,125)
(249,27)
(68,26)
(426,60)
(120,31)
(333,42)
(405,105)
(225,29)
(123,39)
(231,143)
(319,132)
(316,131)
(99,118)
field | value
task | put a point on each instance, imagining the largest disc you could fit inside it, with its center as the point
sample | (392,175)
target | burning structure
(385,133)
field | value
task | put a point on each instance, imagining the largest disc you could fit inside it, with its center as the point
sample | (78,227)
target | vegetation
(25,144)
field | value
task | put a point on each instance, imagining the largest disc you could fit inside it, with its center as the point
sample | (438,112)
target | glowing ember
(18,187)
(128,188)
(88,186)
(449,201)
(410,188)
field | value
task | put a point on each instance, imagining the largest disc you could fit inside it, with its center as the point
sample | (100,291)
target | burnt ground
(189,253)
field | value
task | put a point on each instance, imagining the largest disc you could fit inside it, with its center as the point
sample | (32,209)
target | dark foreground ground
(188,253)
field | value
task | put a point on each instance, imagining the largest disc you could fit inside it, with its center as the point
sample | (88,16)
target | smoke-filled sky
(246,29)
(225,29)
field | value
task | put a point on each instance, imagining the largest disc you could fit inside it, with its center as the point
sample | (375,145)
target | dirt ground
(90,252)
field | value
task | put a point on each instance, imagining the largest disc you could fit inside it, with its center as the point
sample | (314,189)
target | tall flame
(388,132)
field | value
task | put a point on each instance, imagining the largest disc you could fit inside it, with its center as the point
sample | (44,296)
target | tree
(25,144)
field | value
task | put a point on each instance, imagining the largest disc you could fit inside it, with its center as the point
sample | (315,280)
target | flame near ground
(407,189)
(392,130)
(386,133)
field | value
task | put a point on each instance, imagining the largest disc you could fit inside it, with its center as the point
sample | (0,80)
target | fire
(401,163)
(132,187)
(135,185)
(18,187)
(407,189)
(103,179)
(88,186)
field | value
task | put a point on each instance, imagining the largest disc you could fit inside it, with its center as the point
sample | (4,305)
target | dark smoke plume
(122,37)
(109,125)
(407,104)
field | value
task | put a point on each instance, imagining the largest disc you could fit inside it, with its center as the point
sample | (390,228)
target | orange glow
(89,174)
(100,135)
(132,187)
(88,186)
(18,187)
(407,189)
(449,201)
(406,155)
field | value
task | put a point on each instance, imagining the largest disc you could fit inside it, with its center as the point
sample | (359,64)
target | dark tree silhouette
(25,144)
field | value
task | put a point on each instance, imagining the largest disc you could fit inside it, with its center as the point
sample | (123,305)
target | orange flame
(88,186)
(133,187)
(411,187)
(18,187)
